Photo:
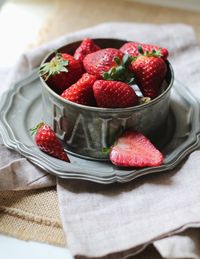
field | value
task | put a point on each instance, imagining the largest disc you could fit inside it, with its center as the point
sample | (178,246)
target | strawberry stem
(117,61)
(55,66)
(120,72)
(140,49)
(34,130)
(106,150)
(153,53)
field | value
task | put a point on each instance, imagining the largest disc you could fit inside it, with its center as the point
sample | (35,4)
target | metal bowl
(85,131)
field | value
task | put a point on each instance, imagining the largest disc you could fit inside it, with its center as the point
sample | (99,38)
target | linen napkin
(120,219)
(16,172)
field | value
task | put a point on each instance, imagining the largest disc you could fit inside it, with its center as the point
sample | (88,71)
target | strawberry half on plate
(133,149)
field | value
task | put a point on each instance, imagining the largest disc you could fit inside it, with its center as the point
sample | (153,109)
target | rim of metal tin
(109,110)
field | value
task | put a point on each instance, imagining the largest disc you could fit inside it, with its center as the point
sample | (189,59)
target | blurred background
(25,24)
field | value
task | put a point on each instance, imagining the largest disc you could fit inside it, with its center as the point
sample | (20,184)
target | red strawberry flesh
(131,48)
(86,47)
(134,150)
(114,94)
(48,142)
(150,72)
(81,92)
(101,61)
(61,72)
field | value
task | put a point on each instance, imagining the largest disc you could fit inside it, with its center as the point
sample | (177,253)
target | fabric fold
(17,173)
(101,219)
(184,245)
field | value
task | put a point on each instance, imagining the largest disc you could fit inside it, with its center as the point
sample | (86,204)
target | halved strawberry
(87,46)
(114,94)
(61,71)
(133,149)
(131,48)
(81,92)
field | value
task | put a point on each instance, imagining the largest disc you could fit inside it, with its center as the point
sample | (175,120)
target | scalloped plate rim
(191,144)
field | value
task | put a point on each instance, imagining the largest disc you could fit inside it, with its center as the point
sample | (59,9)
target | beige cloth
(100,220)
(16,173)
(32,215)
(184,245)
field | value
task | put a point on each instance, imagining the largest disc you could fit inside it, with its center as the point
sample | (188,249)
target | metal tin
(86,131)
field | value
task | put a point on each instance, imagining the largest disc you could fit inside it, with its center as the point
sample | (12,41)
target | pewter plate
(21,109)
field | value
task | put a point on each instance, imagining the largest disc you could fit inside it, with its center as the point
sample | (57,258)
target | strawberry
(101,61)
(121,71)
(114,94)
(131,48)
(149,70)
(81,92)
(61,71)
(87,46)
(46,140)
(133,149)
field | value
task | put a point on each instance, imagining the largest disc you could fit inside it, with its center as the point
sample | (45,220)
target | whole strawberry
(149,70)
(114,94)
(133,149)
(131,48)
(46,140)
(61,71)
(101,61)
(81,92)
(87,46)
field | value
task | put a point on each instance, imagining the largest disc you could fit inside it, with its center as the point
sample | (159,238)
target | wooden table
(69,16)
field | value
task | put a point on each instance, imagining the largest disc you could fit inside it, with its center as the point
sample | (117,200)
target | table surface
(37,16)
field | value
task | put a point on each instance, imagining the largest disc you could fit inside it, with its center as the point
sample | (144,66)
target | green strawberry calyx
(55,66)
(106,150)
(153,53)
(120,72)
(35,129)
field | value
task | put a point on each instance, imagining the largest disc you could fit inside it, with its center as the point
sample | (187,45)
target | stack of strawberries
(104,78)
